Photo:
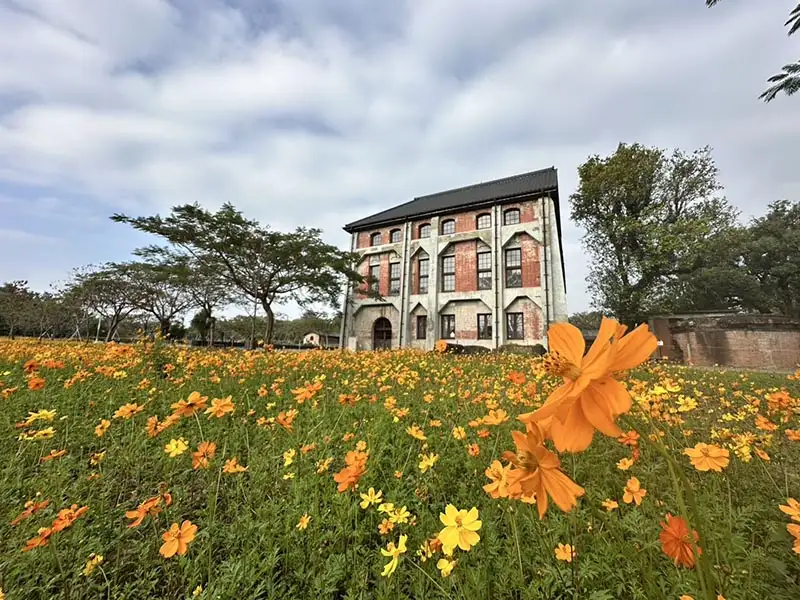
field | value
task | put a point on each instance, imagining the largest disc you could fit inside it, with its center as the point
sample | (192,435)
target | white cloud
(300,113)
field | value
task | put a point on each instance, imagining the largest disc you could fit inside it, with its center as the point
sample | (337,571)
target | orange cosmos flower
(538,471)
(232,466)
(286,419)
(220,407)
(794,531)
(186,408)
(43,535)
(498,474)
(630,438)
(348,477)
(634,492)
(149,507)
(31,508)
(474,449)
(676,541)
(126,411)
(791,508)
(35,383)
(177,539)
(67,516)
(205,452)
(793,434)
(565,552)
(53,454)
(516,377)
(707,457)
(590,398)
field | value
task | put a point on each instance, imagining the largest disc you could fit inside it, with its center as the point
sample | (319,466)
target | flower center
(458,521)
(560,366)
(527,460)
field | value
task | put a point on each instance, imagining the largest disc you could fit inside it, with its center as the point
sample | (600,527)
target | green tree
(787,82)
(16,303)
(106,292)
(647,214)
(266,266)
(586,320)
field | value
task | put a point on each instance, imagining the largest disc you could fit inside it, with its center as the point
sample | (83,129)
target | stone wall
(745,341)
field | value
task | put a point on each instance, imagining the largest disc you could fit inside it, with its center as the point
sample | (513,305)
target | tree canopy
(267,266)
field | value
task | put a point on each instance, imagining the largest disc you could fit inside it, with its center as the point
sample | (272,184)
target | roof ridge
(491,181)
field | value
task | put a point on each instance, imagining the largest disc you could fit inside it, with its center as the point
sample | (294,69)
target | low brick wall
(746,341)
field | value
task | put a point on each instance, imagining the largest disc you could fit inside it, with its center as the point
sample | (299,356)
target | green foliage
(248,546)
(647,216)
(264,265)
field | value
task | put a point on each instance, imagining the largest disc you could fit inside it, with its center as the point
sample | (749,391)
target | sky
(317,113)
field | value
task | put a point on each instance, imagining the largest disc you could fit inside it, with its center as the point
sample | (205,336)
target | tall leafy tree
(647,214)
(16,303)
(269,267)
(107,292)
(788,81)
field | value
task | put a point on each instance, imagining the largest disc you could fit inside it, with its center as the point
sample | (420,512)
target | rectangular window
(513,267)
(394,279)
(484,270)
(484,222)
(394,236)
(422,327)
(374,277)
(423,275)
(515,327)
(448,227)
(448,326)
(511,216)
(448,273)
(485,327)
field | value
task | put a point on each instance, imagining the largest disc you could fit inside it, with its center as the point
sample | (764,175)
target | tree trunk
(11,330)
(164,326)
(270,323)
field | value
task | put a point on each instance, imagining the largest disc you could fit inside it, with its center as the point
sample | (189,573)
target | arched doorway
(382,334)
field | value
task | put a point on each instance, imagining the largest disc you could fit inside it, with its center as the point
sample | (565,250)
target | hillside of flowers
(154,470)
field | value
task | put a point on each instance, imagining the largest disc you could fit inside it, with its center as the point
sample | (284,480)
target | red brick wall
(383,284)
(757,349)
(466,266)
(465,221)
(362,241)
(531,267)
(528,212)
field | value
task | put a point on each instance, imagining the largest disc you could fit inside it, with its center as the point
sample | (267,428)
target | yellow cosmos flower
(394,552)
(176,447)
(460,528)
(371,497)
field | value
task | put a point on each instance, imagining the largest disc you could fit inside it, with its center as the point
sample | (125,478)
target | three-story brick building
(478,265)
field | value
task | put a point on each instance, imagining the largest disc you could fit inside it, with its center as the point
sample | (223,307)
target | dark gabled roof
(544,180)
(471,196)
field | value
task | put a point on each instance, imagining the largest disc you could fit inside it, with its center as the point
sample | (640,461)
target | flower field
(158,471)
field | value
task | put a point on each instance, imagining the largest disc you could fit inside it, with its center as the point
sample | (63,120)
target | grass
(248,544)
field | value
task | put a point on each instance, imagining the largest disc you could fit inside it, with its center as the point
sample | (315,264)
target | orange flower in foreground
(348,477)
(707,457)
(677,543)
(794,531)
(590,398)
(791,508)
(148,507)
(126,411)
(537,471)
(205,452)
(177,539)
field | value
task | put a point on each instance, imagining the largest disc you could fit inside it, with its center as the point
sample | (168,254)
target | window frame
(374,283)
(447,273)
(450,319)
(447,222)
(394,290)
(478,221)
(486,332)
(422,327)
(373,236)
(426,275)
(485,269)
(509,269)
(521,325)
(392,236)
(421,228)
(510,211)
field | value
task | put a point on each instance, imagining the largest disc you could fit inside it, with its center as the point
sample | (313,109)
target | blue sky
(312,112)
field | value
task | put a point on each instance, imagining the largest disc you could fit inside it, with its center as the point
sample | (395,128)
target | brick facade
(537,303)
(743,341)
